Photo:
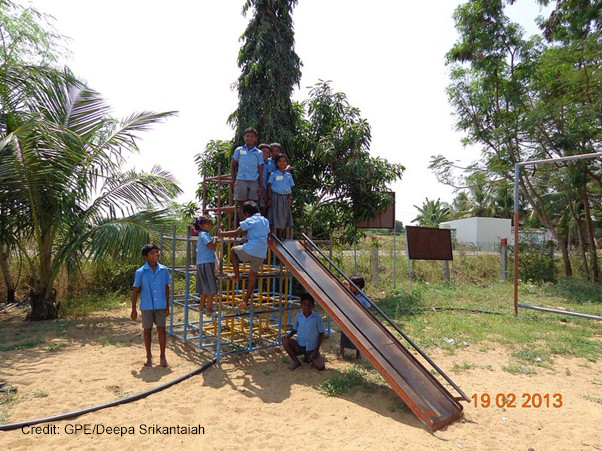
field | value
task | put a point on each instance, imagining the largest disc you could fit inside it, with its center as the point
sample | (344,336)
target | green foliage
(536,266)
(114,278)
(432,213)
(528,99)
(343,382)
(270,69)
(60,173)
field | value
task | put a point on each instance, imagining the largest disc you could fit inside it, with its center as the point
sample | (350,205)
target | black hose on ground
(65,416)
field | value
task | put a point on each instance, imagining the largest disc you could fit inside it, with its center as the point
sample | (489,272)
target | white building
(480,231)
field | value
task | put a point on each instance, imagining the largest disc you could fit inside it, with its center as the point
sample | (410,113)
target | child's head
(265,148)
(359,282)
(281,161)
(276,149)
(307,303)
(203,223)
(249,208)
(250,136)
(151,252)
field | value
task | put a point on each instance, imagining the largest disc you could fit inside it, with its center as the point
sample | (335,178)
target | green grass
(465,367)
(40,394)
(534,335)
(517,368)
(344,382)
(28,344)
(7,400)
(82,305)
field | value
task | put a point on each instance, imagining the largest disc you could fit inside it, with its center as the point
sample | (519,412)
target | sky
(388,57)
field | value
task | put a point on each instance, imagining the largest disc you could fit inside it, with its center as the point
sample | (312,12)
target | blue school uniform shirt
(365,302)
(281,183)
(203,253)
(152,294)
(258,229)
(248,163)
(268,167)
(308,329)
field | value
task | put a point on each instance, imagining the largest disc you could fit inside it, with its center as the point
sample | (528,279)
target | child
(275,150)
(254,250)
(205,263)
(280,187)
(246,170)
(152,280)
(345,341)
(268,167)
(309,328)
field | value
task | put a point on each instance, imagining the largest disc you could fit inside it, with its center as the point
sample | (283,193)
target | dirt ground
(255,402)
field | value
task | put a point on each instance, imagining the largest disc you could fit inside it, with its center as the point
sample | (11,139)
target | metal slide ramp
(414,384)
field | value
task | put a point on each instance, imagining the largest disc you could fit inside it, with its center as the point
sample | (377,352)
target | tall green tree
(523,99)
(270,69)
(61,176)
(27,37)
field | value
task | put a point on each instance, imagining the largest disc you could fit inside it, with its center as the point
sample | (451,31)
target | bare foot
(242,306)
(294,366)
(149,362)
(209,312)
(234,278)
(341,357)
(164,362)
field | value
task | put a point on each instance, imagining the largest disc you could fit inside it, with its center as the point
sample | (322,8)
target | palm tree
(60,174)
(432,213)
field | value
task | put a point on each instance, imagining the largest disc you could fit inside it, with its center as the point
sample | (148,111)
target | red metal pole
(516,214)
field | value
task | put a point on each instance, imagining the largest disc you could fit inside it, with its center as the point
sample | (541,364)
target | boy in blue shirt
(268,167)
(205,263)
(152,280)
(309,328)
(246,170)
(254,251)
(345,342)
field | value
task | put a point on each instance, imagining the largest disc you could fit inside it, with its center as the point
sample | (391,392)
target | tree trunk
(580,236)
(593,255)
(43,303)
(8,280)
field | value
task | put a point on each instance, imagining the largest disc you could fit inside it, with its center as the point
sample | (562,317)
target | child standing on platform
(268,167)
(246,170)
(280,187)
(345,341)
(205,263)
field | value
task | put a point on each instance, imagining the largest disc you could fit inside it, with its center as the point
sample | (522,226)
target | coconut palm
(432,213)
(61,176)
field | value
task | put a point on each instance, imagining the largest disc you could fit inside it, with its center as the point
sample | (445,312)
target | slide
(415,385)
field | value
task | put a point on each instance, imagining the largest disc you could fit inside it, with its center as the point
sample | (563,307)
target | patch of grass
(397,405)
(53,347)
(22,345)
(7,401)
(538,357)
(344,382)
(465,367)
(268,371)
(487,367)
(122,394)
(592,398)
(40,394)
(85,304)
(517,368)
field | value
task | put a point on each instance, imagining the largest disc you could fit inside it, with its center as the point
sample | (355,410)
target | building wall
(480,231)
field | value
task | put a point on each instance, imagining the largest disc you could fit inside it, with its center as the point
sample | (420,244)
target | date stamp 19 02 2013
(512,400)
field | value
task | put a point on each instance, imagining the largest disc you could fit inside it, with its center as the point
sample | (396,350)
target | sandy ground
(255,402)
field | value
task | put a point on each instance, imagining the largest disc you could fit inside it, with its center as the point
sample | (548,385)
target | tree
(432,213)
(338,182)
(26,37)
(524,99)
(270,69)
(60,174)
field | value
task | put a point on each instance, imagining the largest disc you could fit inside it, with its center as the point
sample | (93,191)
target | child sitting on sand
(152,280)
(345,342)
(254,251)
(205,263)
(280,186)
(309,328)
